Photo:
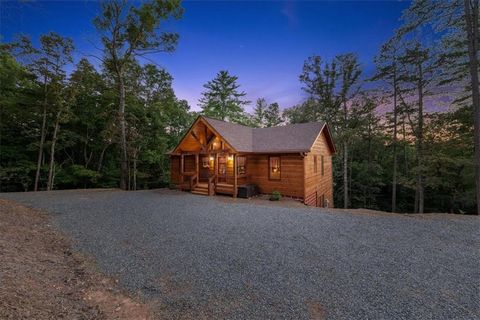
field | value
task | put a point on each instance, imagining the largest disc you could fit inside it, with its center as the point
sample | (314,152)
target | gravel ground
(204,258)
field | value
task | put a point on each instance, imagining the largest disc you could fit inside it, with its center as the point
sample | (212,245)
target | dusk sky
(263,43)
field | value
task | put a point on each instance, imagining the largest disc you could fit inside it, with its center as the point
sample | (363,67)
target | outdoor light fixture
(211,158)
(230,158)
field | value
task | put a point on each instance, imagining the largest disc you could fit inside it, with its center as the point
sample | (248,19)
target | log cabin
(216,157)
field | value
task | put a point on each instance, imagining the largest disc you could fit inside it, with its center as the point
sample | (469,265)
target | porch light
(230,158)
(211,158)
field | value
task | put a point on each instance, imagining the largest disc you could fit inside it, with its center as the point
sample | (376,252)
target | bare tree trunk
(52,154)
(395,114)
(350,157)
(100,160)
(369,165)
(345,158)
(87,158)
(415,206)
(345,175)
(129,181)
(471,15)
(420,178)
(42,137)
(123,134)
(135,170)
(405,144)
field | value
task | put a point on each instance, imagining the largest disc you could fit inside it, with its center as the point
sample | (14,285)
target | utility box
(247,190)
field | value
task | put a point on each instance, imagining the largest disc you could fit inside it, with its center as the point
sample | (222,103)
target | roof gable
(238,136)
(191,138)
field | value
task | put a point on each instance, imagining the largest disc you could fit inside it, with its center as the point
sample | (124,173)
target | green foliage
(87,145)
(265,116)
(275,196)
(223,100)
(76,176)
(84,107)
(17,175)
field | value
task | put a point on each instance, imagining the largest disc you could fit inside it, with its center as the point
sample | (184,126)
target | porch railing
(193,181)
(211,184)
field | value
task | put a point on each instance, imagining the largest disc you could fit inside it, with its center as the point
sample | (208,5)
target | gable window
(323,163)
(315,164)
(274,168)
(241,165)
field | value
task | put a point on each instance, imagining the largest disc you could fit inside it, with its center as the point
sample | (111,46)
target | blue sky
(263,43)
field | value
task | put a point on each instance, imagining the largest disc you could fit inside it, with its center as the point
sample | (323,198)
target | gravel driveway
(198,257)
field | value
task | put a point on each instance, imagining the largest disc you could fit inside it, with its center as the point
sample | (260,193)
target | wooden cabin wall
(291,167)
(316,183)
(189,163)
(175,177)
(230,172)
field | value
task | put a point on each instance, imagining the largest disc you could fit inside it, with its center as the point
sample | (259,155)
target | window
(274,168)
(241,165)
(315,164)
(323,163)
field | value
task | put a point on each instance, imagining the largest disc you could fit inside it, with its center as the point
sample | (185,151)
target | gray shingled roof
(238,136)
(289,138)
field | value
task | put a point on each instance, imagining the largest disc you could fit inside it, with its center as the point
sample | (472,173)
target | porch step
(200,192)
(201,189)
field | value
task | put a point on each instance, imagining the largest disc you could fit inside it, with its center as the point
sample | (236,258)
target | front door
(222,168)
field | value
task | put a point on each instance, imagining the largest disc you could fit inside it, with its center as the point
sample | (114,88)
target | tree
(319,81)
(89,131)
(331,87)
(272,115)
(349,71)
(472,31)
(387,70)
(259,112)
(417,71)
(127,33)
(266,115)
(61,115)
(18,93)
(457,22)
(448,153)
(222,98)
(366,146)
(47,62)
(156,119)
(301,113)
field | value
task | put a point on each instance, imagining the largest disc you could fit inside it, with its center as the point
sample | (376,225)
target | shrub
(276,196)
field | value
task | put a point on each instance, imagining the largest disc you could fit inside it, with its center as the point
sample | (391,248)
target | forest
(112,126)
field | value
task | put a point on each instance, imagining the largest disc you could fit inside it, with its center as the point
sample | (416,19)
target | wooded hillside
(112,125)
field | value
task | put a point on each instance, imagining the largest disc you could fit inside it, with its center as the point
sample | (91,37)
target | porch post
(196,165)
(181,164)
(215,168)
(234,175)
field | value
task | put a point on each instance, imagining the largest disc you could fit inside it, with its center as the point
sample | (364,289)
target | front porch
(210,173)
(205,163)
